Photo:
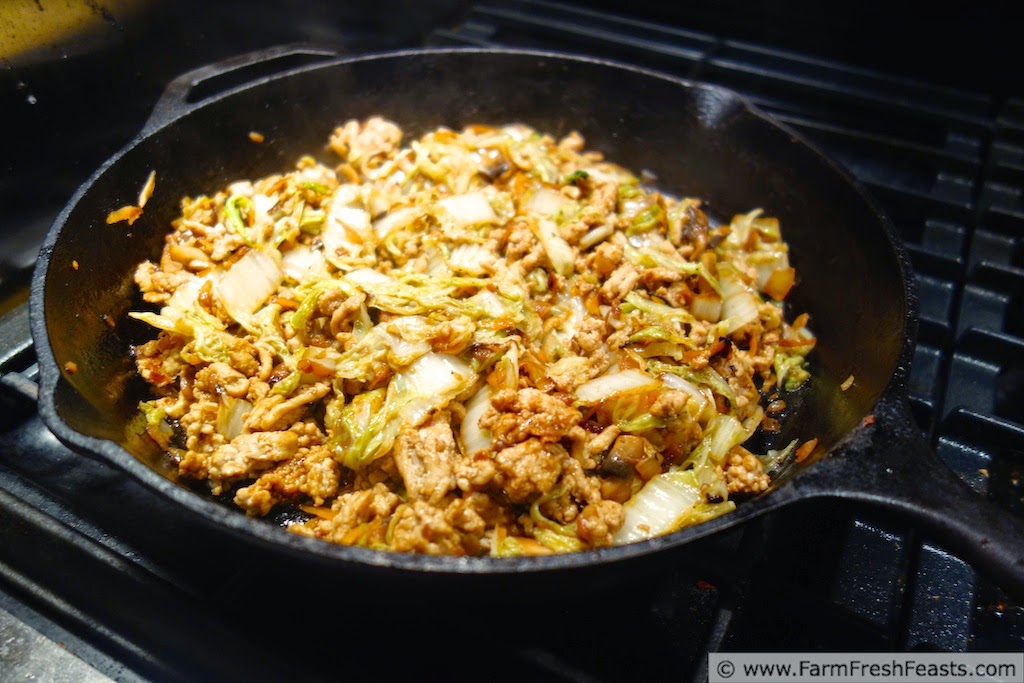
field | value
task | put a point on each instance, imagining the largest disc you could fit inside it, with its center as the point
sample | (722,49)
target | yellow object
(29,25)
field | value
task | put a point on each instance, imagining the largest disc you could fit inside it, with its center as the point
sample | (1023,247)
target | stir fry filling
(484,342)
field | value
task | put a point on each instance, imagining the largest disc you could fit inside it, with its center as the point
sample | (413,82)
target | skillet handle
(193,88)
(892,466)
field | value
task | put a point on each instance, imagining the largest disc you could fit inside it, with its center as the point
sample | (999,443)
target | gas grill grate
(947,165)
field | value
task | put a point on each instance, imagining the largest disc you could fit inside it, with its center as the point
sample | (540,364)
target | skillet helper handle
(896,469)
(191,89)
(18,387)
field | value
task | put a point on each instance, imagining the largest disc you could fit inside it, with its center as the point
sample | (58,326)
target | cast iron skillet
(697,139)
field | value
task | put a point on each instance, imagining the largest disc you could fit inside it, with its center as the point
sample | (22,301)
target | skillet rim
(279,539)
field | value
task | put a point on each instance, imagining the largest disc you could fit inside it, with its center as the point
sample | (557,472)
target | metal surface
(744,159)
(26,654)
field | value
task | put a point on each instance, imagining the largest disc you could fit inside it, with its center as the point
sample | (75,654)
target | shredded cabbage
(659,507)
(474,437)
(248,284)
(469,209)
(790,369)
(558,250)
(234,208)
(607,386)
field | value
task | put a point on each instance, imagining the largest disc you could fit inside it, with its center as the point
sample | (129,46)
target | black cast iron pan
(699,140)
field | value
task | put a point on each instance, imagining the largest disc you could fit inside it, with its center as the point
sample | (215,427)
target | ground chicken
(249,453)
(221,377)
(159,361)
(621,282)
(572,142)
(524,247)
(606,258)
(652,277)
(572,371)
(364,143)
(158,285)
(529,469)
(243,357)
(515,416)
(572,232)
(421,527)
(475,471)
(762,361)
(218,241)
(599,521)
(358,517)
(670,403)
(201,437)
(275,411)
(587,445)
(425,457)
(743,474)
(579,484)
(314,475)
(591,335)
(604,195)
(381,471)
(738,374)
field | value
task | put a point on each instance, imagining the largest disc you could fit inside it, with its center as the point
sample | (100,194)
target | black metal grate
(947,165)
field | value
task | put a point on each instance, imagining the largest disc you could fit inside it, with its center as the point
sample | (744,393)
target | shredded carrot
(314,368)
(779,283)
(286,303)
(125,213)
(74,264)
(800,321)
(147,189)
(71,367)
(692,354)
(556,320)
(530,546)
(805,449)
(791,343)
(321,512)
(754,344)
(256,137)
(352,535)
(631,360)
